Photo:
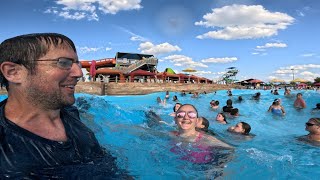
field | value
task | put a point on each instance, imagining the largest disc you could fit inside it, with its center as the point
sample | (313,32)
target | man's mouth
(69,86)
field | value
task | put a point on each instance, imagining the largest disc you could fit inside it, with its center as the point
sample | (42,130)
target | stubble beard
(48,98)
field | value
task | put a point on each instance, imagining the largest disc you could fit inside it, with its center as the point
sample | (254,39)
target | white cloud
(181,60)
(108,48)
(309,55)
(243,22)
(220,60)
(303,67)
(137,38)
(86,49)
(80,9)
(272,45)
(164,48)
(305,71)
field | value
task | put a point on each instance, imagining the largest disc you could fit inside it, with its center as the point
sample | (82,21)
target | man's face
(53,87)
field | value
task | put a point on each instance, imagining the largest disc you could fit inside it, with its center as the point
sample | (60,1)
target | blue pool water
(121,126)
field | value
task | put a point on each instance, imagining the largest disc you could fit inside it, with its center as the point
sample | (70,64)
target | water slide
(108,62)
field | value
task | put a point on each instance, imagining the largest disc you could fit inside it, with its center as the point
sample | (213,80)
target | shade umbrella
(299,80)
(277,80)
(189,70)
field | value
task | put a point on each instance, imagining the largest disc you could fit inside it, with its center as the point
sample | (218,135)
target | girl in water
(194,146)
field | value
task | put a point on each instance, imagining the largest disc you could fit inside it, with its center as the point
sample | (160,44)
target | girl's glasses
(182,114)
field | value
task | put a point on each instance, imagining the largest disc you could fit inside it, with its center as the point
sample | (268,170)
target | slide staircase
(149,61)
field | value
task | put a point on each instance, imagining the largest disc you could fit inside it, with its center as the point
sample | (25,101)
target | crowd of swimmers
(228,111)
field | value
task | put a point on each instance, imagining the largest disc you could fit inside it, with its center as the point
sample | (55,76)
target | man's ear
(12,71)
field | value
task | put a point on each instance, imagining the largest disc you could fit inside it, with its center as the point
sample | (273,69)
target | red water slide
(108,62)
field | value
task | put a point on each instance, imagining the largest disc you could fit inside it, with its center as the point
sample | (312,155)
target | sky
(263,39)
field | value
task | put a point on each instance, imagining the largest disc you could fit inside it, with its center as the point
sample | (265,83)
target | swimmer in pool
(299,102)
(276,108)
(203,125)
(242,128)
(175,98)
(313,127)
(187,120)
(214,104)
(234,113)
(221,118)
(167,95)
(228,107)
(316,109)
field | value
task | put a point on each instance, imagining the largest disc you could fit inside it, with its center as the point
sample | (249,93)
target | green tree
(317,79)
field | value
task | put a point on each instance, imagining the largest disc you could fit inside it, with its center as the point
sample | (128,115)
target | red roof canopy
(317,84)
(255,81)
(140,72)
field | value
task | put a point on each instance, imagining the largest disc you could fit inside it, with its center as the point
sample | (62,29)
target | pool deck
(142,88)
(146,88)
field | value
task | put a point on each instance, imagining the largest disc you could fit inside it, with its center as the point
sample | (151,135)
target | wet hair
(174,107)
(205,123)
(246,127)
(317,120)
(191,106)
(229,102)
(28,48)
(257,94)
(175,97)
(299,94)
(276,102)
(318,105)
(240,98)
(216,103)
(158,99)
(224,117)
(234,111)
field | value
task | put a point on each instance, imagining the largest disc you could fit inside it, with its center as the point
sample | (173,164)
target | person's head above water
(44,65)
(186,117)
(221,118)
(203,124)
(40,72)
(313,127)
(241,128)
(276,102)
(176,107)
(229,102)
(234,112)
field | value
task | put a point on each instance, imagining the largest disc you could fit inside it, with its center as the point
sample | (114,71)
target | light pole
(292,74)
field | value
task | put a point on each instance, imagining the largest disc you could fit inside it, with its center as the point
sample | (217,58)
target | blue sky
(264,39)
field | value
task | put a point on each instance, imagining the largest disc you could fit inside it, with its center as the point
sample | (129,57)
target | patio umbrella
(189,70)
(276,80)
(299,80)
